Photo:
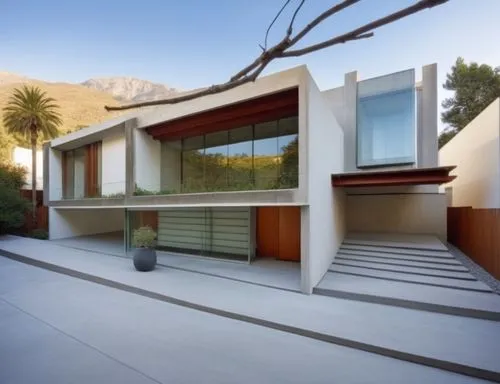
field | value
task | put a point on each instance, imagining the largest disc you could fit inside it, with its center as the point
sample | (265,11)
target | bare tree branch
(272,23)
(358,33)
(290,27)
(282,49)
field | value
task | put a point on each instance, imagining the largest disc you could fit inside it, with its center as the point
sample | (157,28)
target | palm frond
(30,112)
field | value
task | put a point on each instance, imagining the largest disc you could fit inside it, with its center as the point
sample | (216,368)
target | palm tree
(30,113)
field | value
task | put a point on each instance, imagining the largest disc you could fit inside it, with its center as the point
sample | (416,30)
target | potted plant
(144,255)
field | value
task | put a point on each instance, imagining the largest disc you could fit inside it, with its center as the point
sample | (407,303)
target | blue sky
(193,43)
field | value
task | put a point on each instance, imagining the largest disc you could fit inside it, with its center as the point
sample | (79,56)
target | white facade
(22,156)
(327,144)
(475,150)
(113,165)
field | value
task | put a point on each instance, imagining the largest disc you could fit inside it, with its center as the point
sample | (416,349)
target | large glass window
(260,156)
(386,120)
(82,172)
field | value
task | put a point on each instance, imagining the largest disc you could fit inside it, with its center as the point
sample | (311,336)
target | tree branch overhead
(282,49)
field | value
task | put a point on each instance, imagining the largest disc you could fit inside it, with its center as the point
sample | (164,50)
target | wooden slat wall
(476,232)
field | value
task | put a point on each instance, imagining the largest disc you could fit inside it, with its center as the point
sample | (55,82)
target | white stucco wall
(22,156)
(113,164)
(323,224)
(475,150)
(147,161)
(78,222)
(171,166)
(417,213)
(55,175)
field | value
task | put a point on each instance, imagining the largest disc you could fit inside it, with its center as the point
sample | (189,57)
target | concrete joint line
(405,356)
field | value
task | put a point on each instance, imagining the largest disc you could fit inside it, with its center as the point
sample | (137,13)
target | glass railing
(224,184)
(113,190)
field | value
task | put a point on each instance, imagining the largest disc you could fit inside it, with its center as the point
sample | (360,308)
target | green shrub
(13,207)
(144,237)
(40,234)
(146,192)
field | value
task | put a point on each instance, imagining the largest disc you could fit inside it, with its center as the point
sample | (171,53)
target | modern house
(275,168)
(475,151)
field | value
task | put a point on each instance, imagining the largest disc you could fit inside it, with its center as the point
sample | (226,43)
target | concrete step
(461,275)
(397,251)
(392,256)
(417,279)
(402,262)
(482,305)
(396,240)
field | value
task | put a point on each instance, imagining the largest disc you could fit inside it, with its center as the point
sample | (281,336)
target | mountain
(9,78)
(80,106)
(130,89)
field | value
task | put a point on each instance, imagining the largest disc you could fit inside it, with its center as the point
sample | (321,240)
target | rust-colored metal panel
(267,231)
(476,233)
(289,233)
(278,232)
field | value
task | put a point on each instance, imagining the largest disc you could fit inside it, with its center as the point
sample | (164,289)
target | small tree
(30,113)
(475,86)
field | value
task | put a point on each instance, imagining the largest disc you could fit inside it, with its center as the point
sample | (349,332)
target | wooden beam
(272,107)
(415,176)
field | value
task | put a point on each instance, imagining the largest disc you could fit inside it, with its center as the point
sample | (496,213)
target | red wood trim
(272,107)
(91,153)
(416,176)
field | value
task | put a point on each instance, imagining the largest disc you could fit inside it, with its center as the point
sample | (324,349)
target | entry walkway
(409,271)
(265,272)
(454,343)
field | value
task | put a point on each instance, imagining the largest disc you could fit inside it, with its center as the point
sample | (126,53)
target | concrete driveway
(58,329)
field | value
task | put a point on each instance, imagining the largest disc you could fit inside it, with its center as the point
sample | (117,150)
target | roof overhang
(91,134)
(413,176)
(259,110)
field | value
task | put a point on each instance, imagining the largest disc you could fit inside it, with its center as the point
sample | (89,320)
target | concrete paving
(411,277)
(58,329)
(470,285)
(266,272)
(451,342)
(111,243)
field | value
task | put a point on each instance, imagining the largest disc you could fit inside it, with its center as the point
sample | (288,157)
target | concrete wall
(322,223)
(343,102)
(113,164)
(475,150)
(55,175)
(147,161)
(78,222)
(419,213)
(171,166)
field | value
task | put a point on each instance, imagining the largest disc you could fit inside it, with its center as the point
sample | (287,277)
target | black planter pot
(144,259)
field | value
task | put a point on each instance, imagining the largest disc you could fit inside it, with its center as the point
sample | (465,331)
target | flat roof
(381,178)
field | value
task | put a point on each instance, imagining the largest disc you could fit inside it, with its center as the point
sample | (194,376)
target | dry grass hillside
(80,106)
